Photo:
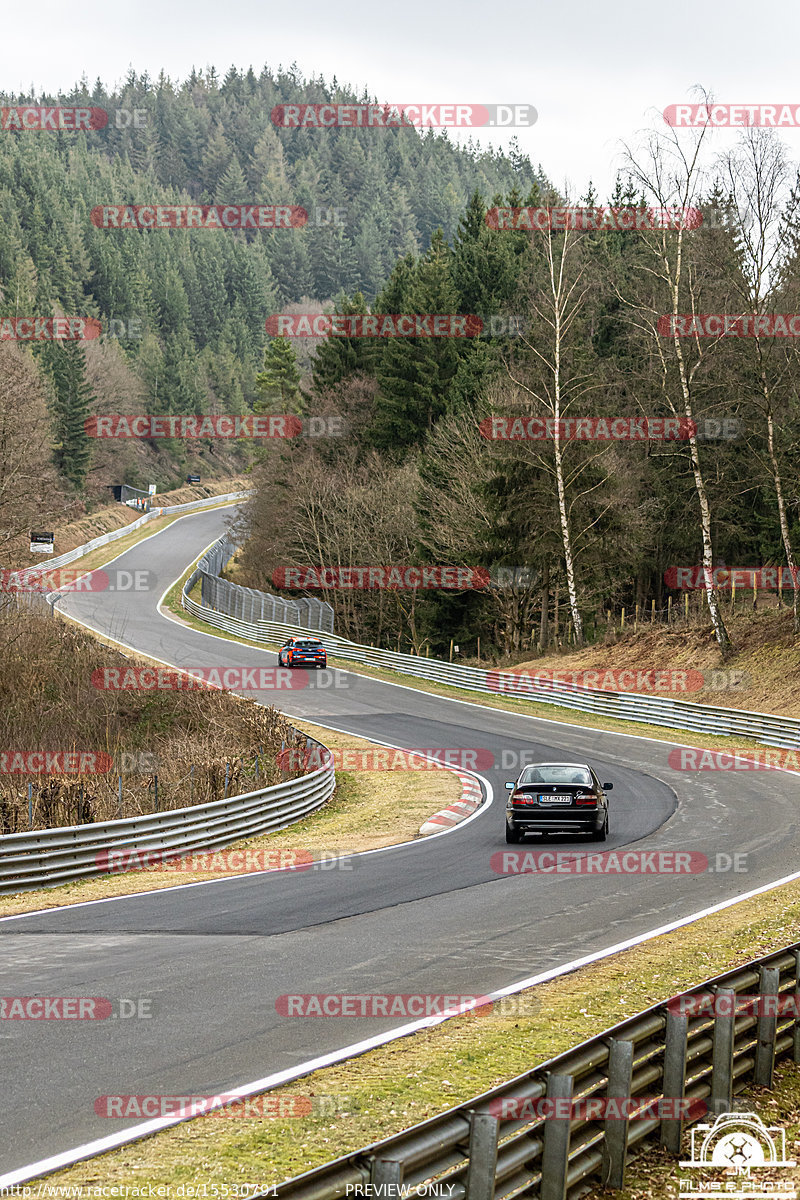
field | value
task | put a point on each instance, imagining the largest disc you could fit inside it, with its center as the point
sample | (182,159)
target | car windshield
(557,775)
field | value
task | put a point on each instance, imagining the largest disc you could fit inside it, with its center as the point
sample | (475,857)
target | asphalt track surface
(428,917)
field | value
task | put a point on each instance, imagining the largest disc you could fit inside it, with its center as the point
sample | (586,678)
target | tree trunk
(787,541)
(715,612)
(544,621)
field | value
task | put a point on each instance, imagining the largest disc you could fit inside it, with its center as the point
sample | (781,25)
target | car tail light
(522,798)
(586,799)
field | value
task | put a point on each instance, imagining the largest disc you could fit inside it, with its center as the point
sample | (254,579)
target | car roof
(583,766)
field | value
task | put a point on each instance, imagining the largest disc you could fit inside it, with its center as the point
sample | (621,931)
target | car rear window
(309,645)
(557,775)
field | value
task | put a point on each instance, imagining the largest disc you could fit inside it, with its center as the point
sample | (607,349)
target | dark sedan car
(303,652)
(557,798)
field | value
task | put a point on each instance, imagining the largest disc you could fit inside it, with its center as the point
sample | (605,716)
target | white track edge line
(112,1141)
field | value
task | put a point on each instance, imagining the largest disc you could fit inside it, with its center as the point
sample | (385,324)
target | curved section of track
(429,916)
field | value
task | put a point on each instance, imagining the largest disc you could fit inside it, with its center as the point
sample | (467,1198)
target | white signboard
(42,543)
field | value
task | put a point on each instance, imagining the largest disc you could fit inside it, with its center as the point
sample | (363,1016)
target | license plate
(554,798)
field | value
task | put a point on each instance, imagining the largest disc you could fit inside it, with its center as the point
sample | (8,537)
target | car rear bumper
(546,821)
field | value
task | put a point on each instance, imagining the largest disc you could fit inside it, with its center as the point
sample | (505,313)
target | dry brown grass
(765,649)
(48,703)
(110,517)
(363,814)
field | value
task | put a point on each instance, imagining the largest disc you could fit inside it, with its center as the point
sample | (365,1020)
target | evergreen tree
(278,385)
(339,357)
(72,403)
(415,374)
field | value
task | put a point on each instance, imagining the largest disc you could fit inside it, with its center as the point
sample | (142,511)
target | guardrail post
(722,1058)
(387,1177)
(766,1029)
(796,1046)
(482,1155)
(674,1084)
(615,1144)
(555,1147)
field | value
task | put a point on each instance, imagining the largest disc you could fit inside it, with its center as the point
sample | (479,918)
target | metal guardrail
(662,1052)
(49,857)
(765,728)
(249,604)
(105,538)
(45,601)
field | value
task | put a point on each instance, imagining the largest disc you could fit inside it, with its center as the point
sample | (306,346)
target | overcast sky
(597,73)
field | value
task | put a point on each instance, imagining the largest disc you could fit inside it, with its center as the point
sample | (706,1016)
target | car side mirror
(608,787)
(509,786)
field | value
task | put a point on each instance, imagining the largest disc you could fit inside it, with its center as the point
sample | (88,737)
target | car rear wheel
(603,833)
(513,836)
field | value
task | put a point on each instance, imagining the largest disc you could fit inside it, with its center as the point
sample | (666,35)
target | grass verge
(388,1089)
(363,814)
(655,1174)
(522,707)
(105,554)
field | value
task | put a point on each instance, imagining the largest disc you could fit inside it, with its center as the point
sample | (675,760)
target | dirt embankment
(202,743)
(762,674)
(115,516)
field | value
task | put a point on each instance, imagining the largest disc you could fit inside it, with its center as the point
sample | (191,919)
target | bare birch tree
(671,178)
(764,211)
(549,380)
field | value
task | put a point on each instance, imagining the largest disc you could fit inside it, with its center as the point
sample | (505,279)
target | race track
(430,916)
